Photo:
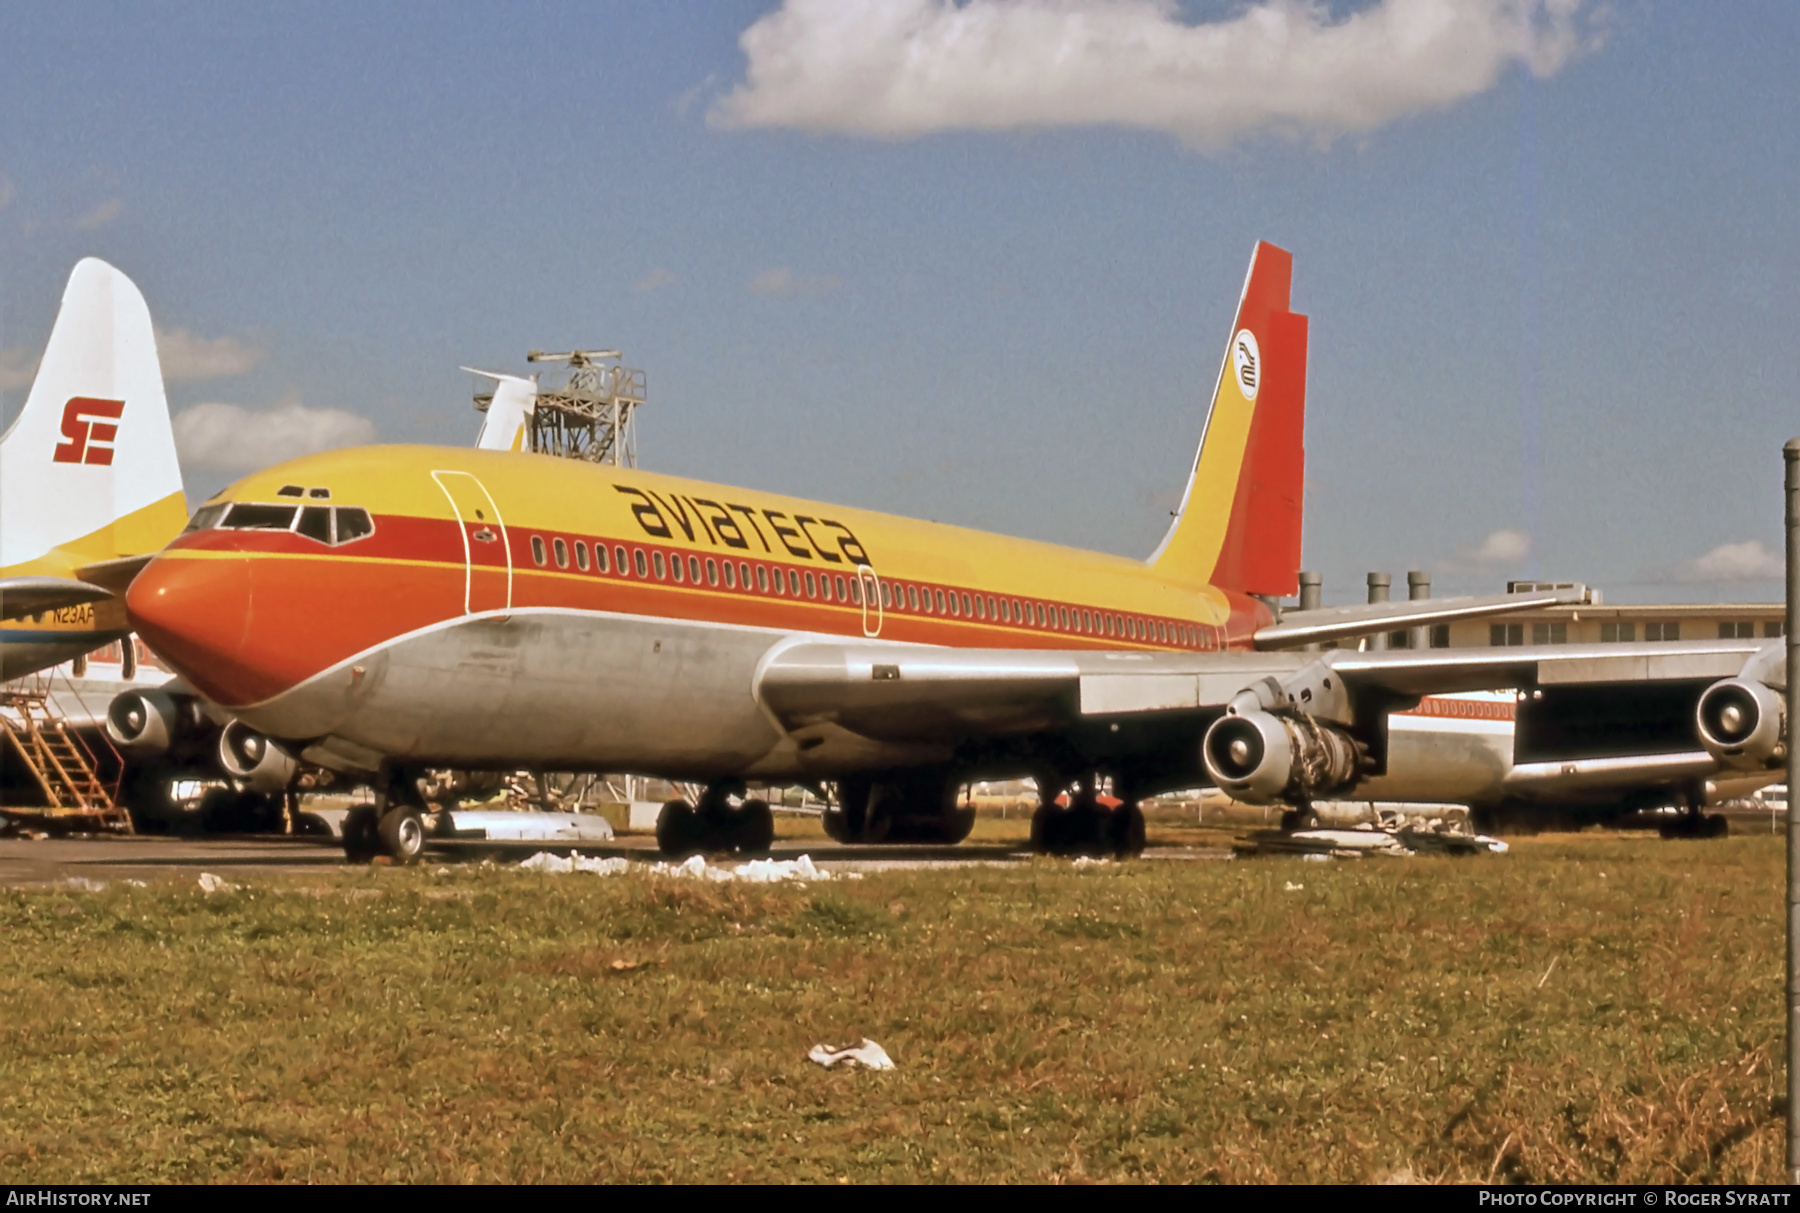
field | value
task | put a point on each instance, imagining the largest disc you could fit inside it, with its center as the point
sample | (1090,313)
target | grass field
(1584,1009)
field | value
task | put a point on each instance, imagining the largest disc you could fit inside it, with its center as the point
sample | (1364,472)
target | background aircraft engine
(1261,758)
(249,756)
(1741,723)
(143,723)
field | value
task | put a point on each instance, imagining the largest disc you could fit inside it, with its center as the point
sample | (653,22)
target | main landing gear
(722,821)
(1694,821)
(394,826)
(1084,822)
(918,806)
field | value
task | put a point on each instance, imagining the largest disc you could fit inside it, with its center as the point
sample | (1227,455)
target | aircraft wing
(905,692)
(114,575)
(1272,726)
(22,596)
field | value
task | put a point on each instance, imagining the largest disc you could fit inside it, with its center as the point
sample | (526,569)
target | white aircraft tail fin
(515,399)
(88,472)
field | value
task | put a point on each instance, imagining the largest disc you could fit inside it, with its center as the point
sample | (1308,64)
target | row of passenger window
(837,587)
(327,524)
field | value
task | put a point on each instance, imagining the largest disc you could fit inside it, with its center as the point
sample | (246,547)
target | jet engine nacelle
(1261,758)
(259,763)
(145,723)
(1742,723)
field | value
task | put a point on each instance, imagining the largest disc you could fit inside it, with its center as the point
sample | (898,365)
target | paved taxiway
(27,862)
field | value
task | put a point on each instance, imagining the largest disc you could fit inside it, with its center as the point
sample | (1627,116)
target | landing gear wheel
(402,833)
(1125,831)
(959,823)
(1715,826)
(679,829)
(753,829)
(362,836)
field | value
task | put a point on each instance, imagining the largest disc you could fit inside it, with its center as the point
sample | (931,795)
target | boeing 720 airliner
(389,608)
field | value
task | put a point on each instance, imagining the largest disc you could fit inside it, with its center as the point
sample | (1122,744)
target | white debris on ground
(1402,842)
(575,861)
(210,883)
(81,884)
(1082,861)
(868,1055)
(756,871)
(1293,888)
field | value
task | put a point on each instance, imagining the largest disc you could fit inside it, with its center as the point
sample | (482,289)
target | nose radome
(194,611)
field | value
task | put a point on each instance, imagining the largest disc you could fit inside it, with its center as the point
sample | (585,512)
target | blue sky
(1553,318)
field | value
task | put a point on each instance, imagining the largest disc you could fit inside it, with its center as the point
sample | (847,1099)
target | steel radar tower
(591,415)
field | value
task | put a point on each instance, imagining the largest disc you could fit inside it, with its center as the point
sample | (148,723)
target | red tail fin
(1240,520)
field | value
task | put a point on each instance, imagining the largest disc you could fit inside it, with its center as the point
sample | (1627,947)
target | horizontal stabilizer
(22,596)
(1334,623)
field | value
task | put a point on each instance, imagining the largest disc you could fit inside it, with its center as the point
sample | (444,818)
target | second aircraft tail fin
(88,471)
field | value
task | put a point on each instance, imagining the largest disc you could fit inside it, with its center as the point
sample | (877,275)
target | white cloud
(1500,548)
(186,357)
(101,215)
(18,367)
(899,69)
(655,280)
(1747,561)
(786,282)
(225,437)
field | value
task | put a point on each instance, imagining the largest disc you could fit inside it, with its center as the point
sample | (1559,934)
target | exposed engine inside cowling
(1261,758)
(1742,723)
(1286,742)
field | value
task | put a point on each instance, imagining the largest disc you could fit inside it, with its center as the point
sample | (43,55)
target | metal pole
(1791,454)
(1312,597)
(1418,586)
(1378,592)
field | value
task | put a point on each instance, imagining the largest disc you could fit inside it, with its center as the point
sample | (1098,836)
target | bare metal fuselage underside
(572,690)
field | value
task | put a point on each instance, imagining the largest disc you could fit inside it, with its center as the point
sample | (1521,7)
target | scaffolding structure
(34,734)
(592,415)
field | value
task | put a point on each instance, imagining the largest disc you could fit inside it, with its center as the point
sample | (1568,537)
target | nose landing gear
(394,826)
(723,820)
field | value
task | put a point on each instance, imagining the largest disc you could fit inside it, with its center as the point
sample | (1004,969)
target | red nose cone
(195,612)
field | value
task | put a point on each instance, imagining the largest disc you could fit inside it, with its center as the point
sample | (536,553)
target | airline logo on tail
(1244,358)
(85,423)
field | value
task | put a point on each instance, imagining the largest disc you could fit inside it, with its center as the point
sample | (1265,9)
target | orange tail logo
(87,425)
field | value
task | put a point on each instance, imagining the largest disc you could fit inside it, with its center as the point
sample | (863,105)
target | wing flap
(1445,671)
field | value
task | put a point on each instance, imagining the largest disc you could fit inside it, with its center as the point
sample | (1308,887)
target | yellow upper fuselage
(448,521)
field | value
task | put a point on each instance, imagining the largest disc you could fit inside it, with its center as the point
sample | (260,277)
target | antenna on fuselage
(591,416)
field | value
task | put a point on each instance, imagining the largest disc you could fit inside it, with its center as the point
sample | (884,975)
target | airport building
(1591,622)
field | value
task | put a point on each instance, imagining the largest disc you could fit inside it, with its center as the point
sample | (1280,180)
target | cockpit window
(289,490)
(331,525)
(353,522)
(319,494)
(207,517)
(245,516)
(315,523)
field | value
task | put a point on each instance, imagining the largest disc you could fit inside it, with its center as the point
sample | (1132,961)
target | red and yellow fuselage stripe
(316,606)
